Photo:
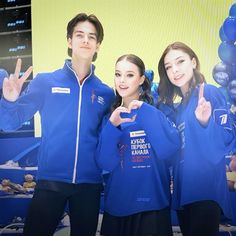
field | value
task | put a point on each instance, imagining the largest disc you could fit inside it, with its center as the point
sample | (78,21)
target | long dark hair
(166,90)
(145,88)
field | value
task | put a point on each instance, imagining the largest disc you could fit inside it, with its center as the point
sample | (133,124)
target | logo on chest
(97,98)
(60,90)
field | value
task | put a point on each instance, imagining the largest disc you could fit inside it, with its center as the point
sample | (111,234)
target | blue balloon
(222,35)
(233,71)
(229,28)
(227,52)
(232,11)
(232,90)
(154,92)
(221,74)
(3,74)
(225,92)
(149,74)
(154,86)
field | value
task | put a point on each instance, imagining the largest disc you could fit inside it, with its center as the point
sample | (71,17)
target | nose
(122,79)
(86,39)
(175,68)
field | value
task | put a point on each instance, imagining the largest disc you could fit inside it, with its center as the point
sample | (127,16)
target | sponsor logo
(224,119)
(60,90)
(221,118)
(99,99)
(93,96)
(137,133)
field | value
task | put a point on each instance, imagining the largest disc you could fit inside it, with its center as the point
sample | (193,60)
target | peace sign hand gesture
(12,86)
(204,109)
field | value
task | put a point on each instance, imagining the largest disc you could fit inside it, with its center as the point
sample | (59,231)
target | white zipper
(78,123)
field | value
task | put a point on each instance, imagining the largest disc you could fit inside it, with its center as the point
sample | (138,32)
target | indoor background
(140,27)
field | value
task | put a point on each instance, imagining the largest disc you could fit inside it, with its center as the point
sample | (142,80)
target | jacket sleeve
(218,135)
(107,153)
(161,132)
(233,119)
(14,114)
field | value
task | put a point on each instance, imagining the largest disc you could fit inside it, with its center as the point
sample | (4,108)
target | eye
(79,35)
(167,68)
(92,37)
(117,74)
(130,75)
(180,61)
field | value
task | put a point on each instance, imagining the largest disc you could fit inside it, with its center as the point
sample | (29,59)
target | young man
(72,102)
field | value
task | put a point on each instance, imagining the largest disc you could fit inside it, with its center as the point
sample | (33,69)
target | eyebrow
(174,59)
(80,31)
(129,71)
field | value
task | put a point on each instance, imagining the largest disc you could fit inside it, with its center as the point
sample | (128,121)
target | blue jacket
(71,115)
(233,117)
(199,172)
(135,155)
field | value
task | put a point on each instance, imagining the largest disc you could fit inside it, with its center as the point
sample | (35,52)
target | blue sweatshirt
(135,155)
(71,115)
(199,173)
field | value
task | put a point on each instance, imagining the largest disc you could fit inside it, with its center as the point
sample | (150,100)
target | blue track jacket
(199,172)
(71,115)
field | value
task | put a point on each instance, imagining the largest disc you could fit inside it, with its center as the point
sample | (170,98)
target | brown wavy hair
(166,90)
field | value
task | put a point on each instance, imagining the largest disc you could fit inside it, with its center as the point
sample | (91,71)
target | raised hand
(12,86)
(204,109)
(135,104)
(116,118)
(233,108)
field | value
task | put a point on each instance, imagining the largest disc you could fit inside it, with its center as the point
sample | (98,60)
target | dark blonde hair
(166,90)
(145,87)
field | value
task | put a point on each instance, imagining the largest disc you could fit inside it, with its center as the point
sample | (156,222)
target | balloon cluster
(224,73)
(154,86)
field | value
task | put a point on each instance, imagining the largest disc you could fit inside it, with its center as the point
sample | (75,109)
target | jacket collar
(68,68)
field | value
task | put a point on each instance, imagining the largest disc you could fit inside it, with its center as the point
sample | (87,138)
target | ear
(97,47)
(69,41)
(142,80)
(194,63)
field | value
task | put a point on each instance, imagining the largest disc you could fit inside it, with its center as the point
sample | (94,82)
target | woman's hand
(116,118)
(204,109)
(135,104)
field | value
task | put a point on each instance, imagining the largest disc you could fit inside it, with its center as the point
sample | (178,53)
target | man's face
(84,41)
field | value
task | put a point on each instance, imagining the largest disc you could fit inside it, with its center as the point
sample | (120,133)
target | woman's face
(179,68)
(127,80)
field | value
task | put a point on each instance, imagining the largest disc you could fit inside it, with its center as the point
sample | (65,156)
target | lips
(85,47)
(178,77)
(123,87)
